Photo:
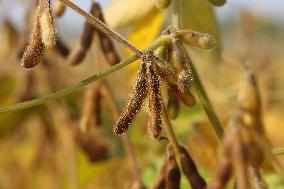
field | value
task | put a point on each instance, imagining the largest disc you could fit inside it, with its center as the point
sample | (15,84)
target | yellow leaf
(145,32)
(122,13)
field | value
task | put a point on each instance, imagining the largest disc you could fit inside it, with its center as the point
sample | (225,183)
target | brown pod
(59,8)
(173,105)
(89,29)
(105,42)
(160,182)
(134,104)
(173,175)
(94,148)
(91,115)
(190,170)
(76,56)
(225,169)
(34,49)
(61,48)
(47,24)
(155,99)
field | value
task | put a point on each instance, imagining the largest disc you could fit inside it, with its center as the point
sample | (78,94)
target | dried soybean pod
(88,32)
(249,116)
(225,169)
(162,4)
(106,43)
(95,149)
(91,114)
(172,173)
(76,56)
(134,104)
(240,161)
(47,24)
(173,106)
(154,95)
(35,47)
(61,48)
(190,170)
(201,40)
(218,2)
(160,182)
(59,8)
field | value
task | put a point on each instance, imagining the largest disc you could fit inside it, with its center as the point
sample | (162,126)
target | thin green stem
(170,132)
(38,101)
(176,22)
(278,151)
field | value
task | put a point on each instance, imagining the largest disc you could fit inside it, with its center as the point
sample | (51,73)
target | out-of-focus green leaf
(199,15)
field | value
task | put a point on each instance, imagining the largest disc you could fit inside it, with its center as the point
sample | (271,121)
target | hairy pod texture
(35,48)
(134,104)
(47,24)
(196,39)
(190,170)
(154,95)
(169,73)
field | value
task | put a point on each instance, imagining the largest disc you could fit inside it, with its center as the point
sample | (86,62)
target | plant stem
(125,138)
(199,89)
(41,100)
(278,151)
(170,132)
(176,21)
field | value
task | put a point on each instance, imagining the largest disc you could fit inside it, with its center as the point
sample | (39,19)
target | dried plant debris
(196,39)
(190,170)
(217,2)
(154,94)
(173,105)
(59,8)
(134,104)
(162,4)
(43,35)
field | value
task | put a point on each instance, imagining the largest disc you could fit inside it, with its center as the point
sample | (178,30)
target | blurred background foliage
(39,147)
